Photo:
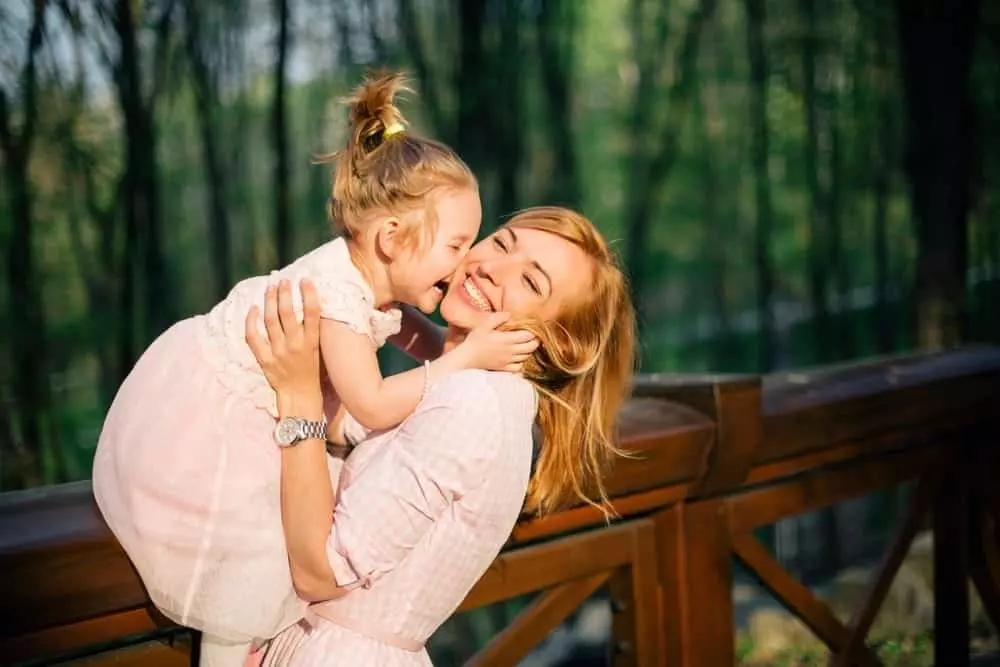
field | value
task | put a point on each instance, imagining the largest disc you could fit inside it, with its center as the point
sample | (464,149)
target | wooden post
(951,571)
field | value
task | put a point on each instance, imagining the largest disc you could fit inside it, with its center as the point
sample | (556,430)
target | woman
(424,509)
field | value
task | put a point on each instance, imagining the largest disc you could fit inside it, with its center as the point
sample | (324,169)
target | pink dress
(186,472)
(422,512)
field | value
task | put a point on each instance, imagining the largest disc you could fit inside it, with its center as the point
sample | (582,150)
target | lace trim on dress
(343,296)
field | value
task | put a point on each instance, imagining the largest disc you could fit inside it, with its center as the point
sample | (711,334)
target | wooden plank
(708,598)
(672,576)
(78,635)
(621,648)
(588,516)
(540,566)
(534,624)
(910,410)
(64,584)
(803,388)
(984,565)
(797,598)
(148,654)
(863,617)
(951,571)
(646,597)
(668,442)
(760,507)
(738,437)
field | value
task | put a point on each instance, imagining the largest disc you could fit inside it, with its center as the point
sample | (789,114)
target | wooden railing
(714,459)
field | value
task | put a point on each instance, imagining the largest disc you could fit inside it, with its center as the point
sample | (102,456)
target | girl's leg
(215,652)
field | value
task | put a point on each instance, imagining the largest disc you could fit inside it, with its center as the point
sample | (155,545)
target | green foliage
(699,264)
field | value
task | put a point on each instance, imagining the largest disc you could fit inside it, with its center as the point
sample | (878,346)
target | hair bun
(373,108)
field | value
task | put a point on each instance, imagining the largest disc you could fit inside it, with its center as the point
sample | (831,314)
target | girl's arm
(380,403)
(418,336)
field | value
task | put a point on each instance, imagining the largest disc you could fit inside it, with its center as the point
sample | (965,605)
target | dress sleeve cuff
(345,572)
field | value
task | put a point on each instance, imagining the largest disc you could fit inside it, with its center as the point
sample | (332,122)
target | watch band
(312,430)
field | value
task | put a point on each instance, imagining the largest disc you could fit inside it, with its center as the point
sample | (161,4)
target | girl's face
(419,278)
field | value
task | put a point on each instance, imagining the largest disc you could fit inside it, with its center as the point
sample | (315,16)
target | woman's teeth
(477,297)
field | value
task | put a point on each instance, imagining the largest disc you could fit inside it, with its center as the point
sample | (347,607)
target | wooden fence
(715,459)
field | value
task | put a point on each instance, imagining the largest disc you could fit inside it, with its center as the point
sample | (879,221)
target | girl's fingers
(514,367)
(520,336)
(524,348)
(494,320)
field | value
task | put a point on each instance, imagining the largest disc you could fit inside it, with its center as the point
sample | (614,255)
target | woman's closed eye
(501,244)
(532,284)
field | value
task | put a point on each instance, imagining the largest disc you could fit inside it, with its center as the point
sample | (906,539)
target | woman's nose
(488,270)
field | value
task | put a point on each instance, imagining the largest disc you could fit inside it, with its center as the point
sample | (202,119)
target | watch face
(286,432)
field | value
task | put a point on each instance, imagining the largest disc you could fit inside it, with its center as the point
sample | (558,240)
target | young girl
(182,474)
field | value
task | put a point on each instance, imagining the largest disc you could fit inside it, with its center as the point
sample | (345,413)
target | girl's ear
(387,239)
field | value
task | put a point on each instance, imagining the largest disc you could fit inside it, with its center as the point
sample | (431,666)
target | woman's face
(528,273)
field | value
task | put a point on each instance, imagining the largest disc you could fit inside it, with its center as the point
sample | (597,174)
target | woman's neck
(374,270)
(452,337)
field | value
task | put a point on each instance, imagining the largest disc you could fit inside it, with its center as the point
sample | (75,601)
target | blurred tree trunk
(27,330)
(144,253)
(706,107)
(818,254)
(508,121)
(936,40)
(472,87)
(556,32)
(843,342)
(759,154)
(882,159)
(204,85)
(430,79)
(279,134)
(654,126)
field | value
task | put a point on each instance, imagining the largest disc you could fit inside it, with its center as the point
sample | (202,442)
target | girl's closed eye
(500,243)
(532,284)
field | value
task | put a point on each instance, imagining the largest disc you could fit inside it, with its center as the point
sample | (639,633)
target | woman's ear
(387,239)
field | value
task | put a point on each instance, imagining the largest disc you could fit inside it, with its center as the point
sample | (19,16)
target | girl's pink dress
(186,472)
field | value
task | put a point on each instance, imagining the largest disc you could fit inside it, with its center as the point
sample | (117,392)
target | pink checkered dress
(422,512)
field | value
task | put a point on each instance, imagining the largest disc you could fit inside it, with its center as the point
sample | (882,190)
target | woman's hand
(289,356)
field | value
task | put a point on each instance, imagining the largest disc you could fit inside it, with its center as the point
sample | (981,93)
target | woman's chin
(461,315)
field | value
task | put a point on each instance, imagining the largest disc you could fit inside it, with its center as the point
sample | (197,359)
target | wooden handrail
(697,441)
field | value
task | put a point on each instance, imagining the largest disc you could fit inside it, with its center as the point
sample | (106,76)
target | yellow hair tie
(391,129)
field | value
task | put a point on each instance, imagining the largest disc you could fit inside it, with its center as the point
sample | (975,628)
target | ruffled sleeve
(435,457)
(345,297)
(343,300)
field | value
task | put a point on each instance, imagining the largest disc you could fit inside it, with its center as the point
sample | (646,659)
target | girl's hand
(289,356)
(493,350)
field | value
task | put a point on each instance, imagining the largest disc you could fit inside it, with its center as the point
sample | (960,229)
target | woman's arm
(307,502)
(418,336)
(290,360)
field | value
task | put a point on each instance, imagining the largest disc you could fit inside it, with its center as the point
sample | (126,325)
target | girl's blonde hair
(387,168)
(583,371)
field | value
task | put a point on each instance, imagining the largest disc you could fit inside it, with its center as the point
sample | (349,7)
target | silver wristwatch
(292,430)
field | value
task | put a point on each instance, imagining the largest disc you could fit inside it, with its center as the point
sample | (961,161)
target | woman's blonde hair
(387,168)
(583,371)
